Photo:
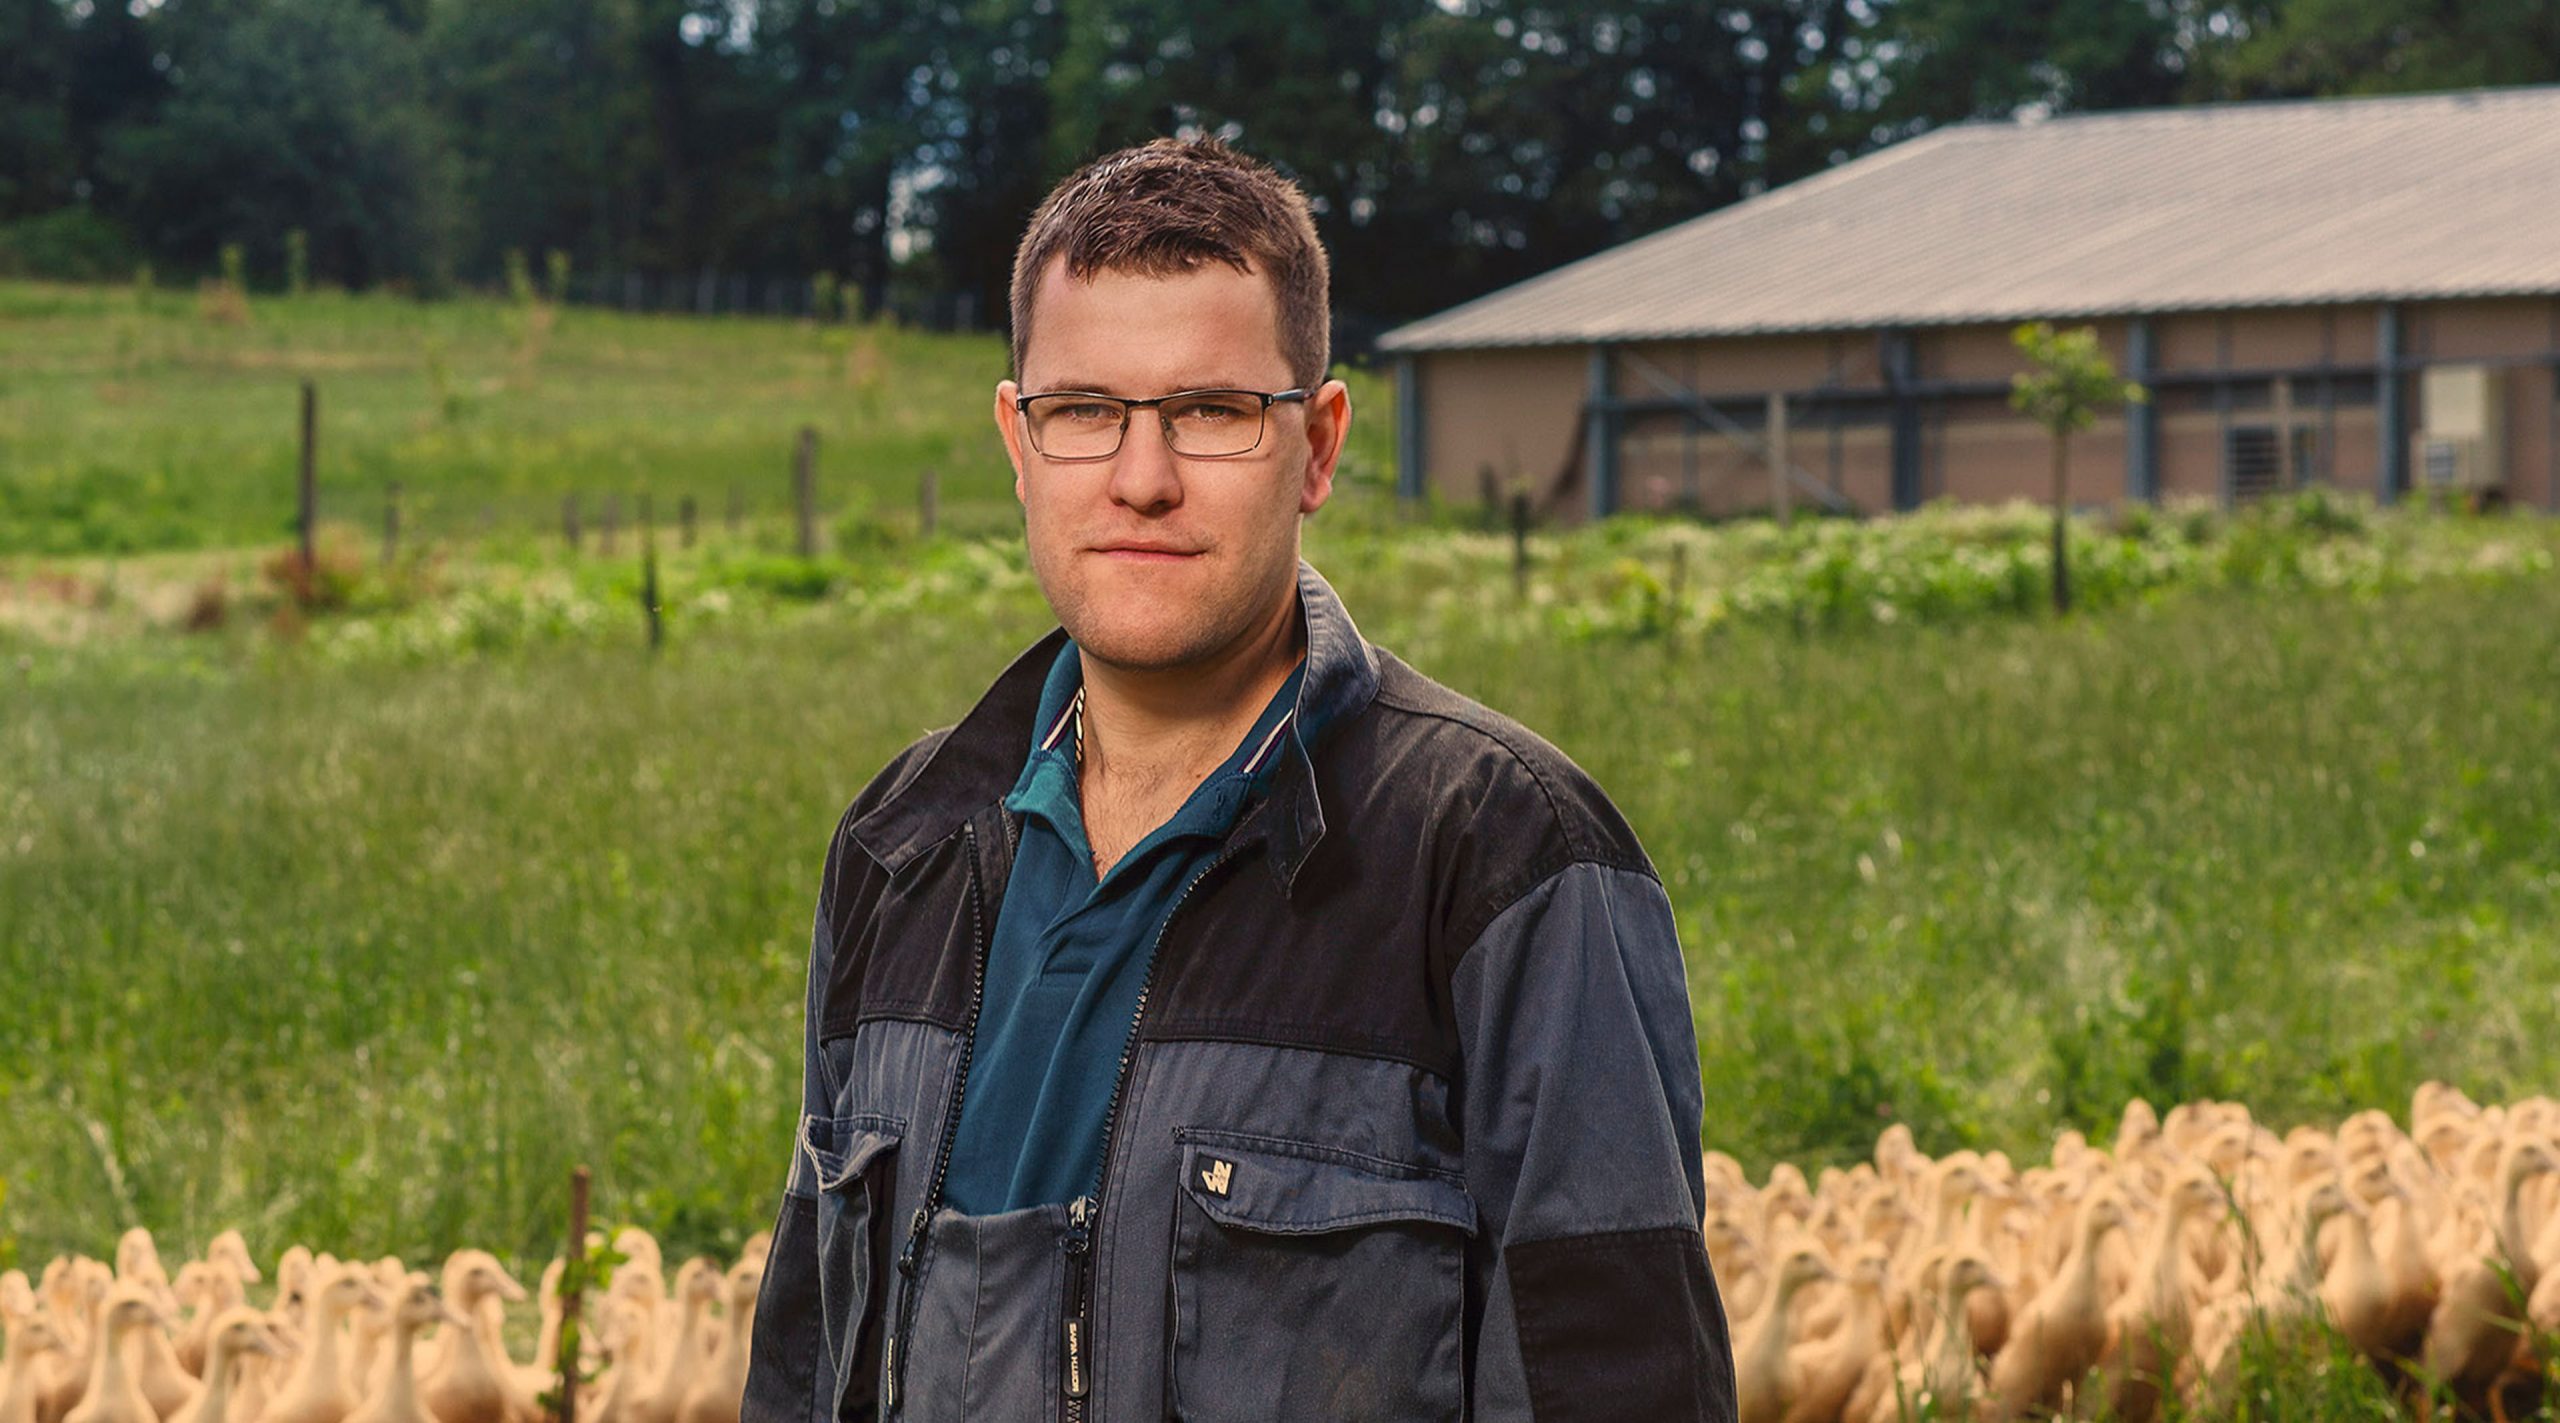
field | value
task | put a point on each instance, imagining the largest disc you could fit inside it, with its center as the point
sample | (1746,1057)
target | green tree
(293,113)
(2321,47)
(2068,380)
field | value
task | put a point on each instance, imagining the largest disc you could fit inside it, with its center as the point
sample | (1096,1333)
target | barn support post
(2141,418)
(1600,436)
(2388,395)
(1409,471)
(1899,377)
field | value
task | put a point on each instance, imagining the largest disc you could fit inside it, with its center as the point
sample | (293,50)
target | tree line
(1451,146)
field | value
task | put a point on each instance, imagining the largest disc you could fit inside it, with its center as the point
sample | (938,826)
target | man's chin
(1155,639)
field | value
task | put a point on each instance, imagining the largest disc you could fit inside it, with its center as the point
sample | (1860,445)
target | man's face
(1154,560)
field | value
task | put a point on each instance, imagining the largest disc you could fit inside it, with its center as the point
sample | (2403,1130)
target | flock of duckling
(2112,1281)
(339,1341)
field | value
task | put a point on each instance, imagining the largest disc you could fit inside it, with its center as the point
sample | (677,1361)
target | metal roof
(2220,206)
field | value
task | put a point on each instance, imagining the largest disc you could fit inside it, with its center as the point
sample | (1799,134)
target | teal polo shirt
(1070,955)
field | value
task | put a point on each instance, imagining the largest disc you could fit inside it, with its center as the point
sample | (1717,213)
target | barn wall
(2213,373)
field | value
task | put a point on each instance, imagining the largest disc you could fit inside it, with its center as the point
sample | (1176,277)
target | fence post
(928,501)
(684,515)
(649,574)
(569,520)
(572,1295)
(804,489)
(391,524)
(307,483)
(1520,545)
(611,524)
(1492,492)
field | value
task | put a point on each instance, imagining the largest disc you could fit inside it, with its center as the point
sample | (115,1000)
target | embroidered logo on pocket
(1216,1175)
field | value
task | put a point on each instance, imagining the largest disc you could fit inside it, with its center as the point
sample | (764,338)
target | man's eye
(1090,412)
(1208,411)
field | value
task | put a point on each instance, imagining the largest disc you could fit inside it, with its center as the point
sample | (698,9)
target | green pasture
(361,926)
(133,421)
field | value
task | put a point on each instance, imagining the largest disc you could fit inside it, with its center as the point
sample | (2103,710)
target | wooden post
(804,489)
(1492,492)
(2283,396)
(1520,545)
(574,1281)
(307,485)
(928,501)
(684,515)
(649,574)
(391,524)
(1778,459)
(612,523)
(569,520)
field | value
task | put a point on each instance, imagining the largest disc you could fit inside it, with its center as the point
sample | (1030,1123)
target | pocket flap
(1290,1188)
(841,1149)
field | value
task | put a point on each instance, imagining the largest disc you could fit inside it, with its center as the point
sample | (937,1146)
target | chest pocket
(1310,1282)
(850,1159)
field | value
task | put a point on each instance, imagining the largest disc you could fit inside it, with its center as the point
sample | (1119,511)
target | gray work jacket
(1406,1128)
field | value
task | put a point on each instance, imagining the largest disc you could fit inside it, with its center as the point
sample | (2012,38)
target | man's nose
(1144,475)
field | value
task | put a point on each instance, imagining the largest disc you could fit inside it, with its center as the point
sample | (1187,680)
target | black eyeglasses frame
(1269,398)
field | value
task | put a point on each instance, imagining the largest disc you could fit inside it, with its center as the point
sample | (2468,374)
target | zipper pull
(915,1243)
(1078,1246)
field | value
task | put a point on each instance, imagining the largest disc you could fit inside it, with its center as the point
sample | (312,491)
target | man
(1223,1020)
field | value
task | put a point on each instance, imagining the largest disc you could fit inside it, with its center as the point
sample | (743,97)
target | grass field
(132,421)
(362,938)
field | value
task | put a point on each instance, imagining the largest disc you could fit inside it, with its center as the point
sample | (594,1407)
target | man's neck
(1150,731)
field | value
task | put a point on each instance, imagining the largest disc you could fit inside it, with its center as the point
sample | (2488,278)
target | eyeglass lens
(1203,426)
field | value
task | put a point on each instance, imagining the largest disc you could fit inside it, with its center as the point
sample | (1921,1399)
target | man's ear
(1009,425)
(1328,426)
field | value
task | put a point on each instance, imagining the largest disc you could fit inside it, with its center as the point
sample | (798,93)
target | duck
(723,1388)
(697,1288)
(629,1335)
(79,1301)
(1766,1379)
(320,1389)
(114,1395)
(2151,1330)
(34,1347)
(1944,1379)
(478,1383)
(2473,1335)
(235,1335)
(1828,1373)
(2062,1333)
(419,1305)
(2355,1290)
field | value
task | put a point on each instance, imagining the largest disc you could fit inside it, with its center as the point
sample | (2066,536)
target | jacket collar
(975,765)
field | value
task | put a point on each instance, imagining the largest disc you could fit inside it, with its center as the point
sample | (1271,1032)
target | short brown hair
(1169,206)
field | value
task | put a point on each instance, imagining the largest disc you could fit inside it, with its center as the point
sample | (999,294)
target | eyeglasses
(1199,424)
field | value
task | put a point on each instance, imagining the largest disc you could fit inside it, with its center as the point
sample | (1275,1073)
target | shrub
(72,244)
(327,581)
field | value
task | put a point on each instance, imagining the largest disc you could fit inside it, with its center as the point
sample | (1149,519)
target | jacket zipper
(911,1260)
(1088,1208)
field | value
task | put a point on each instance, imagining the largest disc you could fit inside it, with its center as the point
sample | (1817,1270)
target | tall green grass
(368,952)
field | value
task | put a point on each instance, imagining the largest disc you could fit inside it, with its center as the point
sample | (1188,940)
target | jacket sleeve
(788,1371)
(1581,1109)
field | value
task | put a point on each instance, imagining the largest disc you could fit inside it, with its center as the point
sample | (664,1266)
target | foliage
(2068,379)
(73,243)
(1449,147)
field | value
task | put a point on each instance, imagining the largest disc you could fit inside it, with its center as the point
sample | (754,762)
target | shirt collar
(981,759)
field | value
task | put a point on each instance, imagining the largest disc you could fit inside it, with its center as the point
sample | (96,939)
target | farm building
(2361,293)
